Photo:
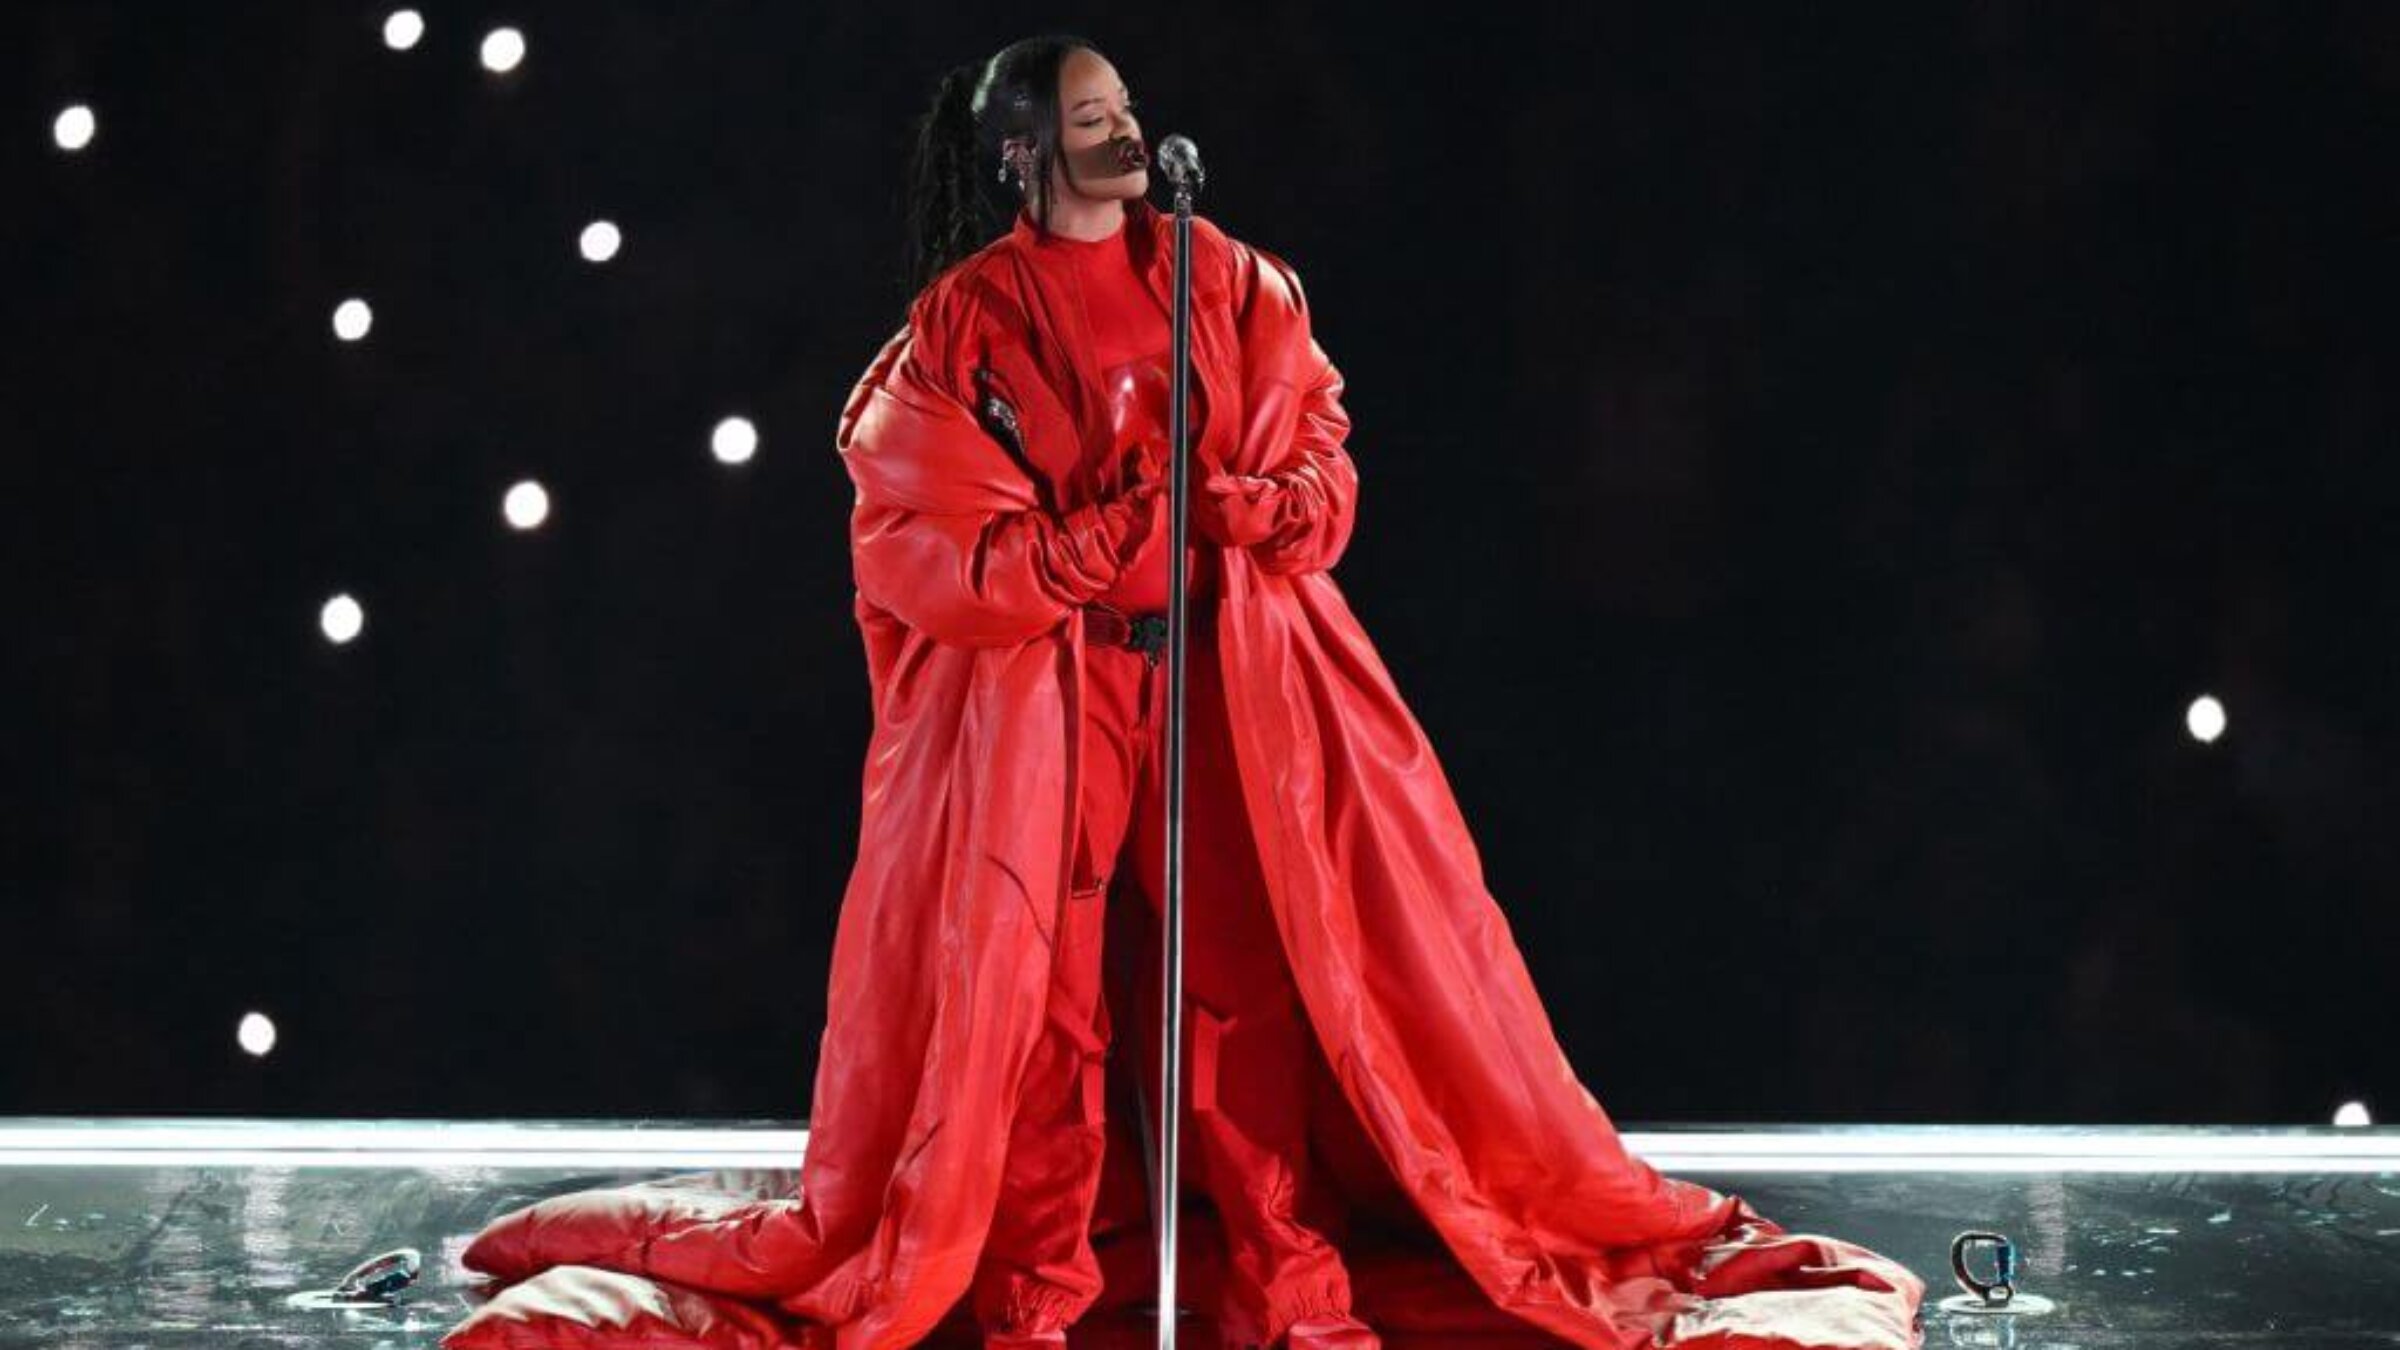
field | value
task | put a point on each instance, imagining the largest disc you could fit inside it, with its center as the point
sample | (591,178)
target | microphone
(1181,161)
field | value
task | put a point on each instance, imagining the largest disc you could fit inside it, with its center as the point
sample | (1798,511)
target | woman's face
(1101,156)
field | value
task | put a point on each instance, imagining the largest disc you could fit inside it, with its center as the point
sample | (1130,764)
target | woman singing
(1385,1144)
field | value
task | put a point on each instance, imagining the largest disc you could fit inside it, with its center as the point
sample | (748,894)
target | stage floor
(189,1232)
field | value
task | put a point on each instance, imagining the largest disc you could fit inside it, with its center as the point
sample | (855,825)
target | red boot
(1332,1331)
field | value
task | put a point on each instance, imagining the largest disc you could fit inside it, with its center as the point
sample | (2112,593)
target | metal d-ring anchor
(1997,1296)
(2003,1285)
(373,1283)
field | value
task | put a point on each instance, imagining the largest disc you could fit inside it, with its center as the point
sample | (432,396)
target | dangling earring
(1002,175)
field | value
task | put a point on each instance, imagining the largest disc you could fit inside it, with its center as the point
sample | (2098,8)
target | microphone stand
(1182,163)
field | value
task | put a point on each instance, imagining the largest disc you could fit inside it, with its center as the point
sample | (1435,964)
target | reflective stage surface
(124,1233)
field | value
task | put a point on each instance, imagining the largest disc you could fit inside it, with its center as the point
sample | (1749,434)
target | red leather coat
(1465,1124)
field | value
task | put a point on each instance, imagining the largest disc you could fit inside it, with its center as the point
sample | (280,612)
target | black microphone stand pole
(1181,161)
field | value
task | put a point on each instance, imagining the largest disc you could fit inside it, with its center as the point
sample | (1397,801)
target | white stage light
(2205,718)
(734,441)
(341,618)
(74,128)
(257,1033)
(402,29)
(2352,1116)
(351,319)
(503,48)
(601,240)
(526,505)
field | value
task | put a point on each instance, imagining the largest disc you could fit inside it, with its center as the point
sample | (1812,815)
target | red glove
(1234,510)
(1238,509)
(1141,500)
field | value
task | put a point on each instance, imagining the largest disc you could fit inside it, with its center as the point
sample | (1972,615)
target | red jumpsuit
(1244,1111)
(1479,1194)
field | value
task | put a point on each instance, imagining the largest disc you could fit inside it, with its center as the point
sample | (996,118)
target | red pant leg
(1246,1046)
(1037,1271)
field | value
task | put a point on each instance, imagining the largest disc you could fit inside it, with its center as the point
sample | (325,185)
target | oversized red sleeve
(948,531)
(1315,488)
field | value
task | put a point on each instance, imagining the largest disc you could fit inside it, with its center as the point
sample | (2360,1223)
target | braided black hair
(1014,93)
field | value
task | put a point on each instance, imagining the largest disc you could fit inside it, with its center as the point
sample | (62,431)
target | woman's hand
(1142,493)
(1233,510)
(1142,471)
(1238,509)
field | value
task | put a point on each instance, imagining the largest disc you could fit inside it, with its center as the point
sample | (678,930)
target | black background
(1811,457)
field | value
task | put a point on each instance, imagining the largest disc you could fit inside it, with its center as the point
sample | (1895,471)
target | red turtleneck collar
(1140,216)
